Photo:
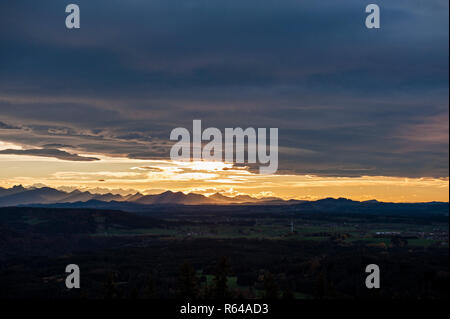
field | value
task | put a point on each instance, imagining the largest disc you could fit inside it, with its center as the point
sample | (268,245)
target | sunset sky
(362,114)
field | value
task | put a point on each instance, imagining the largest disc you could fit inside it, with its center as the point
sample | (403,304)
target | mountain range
(19,196)
(54,198)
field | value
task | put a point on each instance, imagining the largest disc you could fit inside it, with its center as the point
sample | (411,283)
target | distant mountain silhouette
(19,195)
(177,198)
(237,199)
(49,197)
(11,191)
(246,199)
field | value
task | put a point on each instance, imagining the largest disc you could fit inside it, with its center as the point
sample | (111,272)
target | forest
(220,253)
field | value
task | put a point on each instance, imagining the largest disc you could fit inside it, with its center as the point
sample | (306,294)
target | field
(221,252)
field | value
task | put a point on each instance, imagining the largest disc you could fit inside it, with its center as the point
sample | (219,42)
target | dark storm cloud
(8,126)
(360,101)
(62,155)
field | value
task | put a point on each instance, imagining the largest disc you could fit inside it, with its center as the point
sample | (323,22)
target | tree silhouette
(321,285)
(220,289)
(187,287)
(149,289)
(111,291)
(270,286)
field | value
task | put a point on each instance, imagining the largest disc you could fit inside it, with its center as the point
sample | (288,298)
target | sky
(361,113)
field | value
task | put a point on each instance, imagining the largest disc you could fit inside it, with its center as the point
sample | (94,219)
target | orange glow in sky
(123,175)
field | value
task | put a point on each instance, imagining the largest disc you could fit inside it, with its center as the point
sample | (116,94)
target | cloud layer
(55,153)
(348,101)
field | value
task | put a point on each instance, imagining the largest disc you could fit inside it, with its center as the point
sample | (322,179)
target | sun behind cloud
(208,177)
